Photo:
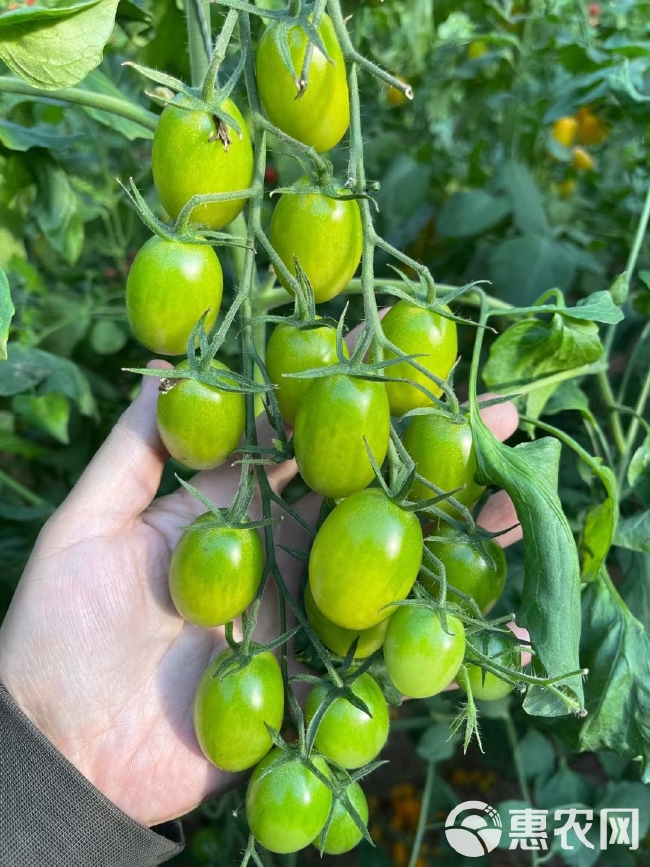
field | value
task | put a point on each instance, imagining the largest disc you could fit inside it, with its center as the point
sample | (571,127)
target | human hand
(92,648)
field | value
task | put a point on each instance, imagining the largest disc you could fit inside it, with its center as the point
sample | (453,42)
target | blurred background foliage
(477,181)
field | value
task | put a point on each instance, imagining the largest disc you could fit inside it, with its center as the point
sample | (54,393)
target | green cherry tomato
(189,158)
(366,554)
(427,334)
(335,416)
(466,570)
(200,424)
(293,350)
(347,735)
(326,236)
(286,804)
(321,115)
(169,287)
(339,639)
(444,454)
(485,685)
(343,834)
(214,573)
(421,658)
(229,713)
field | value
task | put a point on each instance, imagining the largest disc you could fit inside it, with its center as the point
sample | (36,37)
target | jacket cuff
(52,815)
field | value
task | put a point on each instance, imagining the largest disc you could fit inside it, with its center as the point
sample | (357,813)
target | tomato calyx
(306,16)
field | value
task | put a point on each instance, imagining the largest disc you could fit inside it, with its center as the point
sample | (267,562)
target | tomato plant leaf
(7,311)
(638,473)
(550,606)
(532,349)
(470,213)
(525,267)
(600,525)
(633,533)
(49,412)
(97,82)
(21,138)
(56,48)
(599,307)
(56,209)
(525,198)
(616,650)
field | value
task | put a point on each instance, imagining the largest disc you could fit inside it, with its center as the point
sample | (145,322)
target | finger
(123,477)
(502,418)
(499,514)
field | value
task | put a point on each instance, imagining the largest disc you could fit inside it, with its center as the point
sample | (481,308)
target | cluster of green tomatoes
(368,552)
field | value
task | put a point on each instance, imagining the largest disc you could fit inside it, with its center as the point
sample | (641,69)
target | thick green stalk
(85,99)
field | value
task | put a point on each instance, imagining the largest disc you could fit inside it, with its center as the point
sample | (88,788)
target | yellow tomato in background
(582,160)
(591,130)
(564,131)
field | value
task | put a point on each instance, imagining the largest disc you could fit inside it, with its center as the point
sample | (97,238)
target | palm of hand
(92,648)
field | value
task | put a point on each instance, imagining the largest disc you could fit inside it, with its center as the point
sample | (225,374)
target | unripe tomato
(466,570)
(214,574)
(485,685)
(591,130)
(293,350)
(320,117)
(339,639)
(477,49)
(415,330)
(169,287)
(335,415)
(347,735)
(200,424)
(421,658)
(343,834)
(229,714)
(445,456)
(366,554)
(286,804)
(189,159)
(582,160)
(326,236)
(564,131)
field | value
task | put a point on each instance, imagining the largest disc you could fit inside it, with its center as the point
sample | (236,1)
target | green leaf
(537,755)
(568,396)
(616,650)
(49,413)
(523,268)
(535,348)
(56,48)
(56,209)
(634,533)
(600,525)
(437,743)
(564,787)
(22,138)
(620,288)
(97,82)
(598,307)
(638,473)
(526,200)
(550,606)
(27,368)
(7,311)
(470,213)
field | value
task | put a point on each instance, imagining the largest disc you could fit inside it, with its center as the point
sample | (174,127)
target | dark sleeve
(52,816)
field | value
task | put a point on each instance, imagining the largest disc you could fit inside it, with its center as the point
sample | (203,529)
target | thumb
(123,477)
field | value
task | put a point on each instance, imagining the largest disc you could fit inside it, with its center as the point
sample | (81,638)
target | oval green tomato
(444,454)
(346,734)
(421,658)
(169,287)
(294,350)
(230,713)
(343,833)
(485,685)
(286,804)
(189,159)
(433,338)
(215,573)
(466,570)
(200,425)
(321,115)
(324,234)
(335,416)
(339,639)
(366,554)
